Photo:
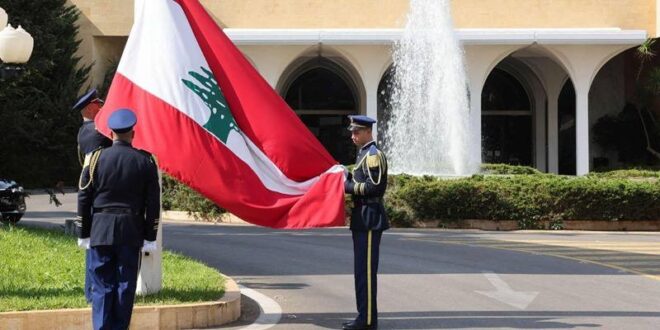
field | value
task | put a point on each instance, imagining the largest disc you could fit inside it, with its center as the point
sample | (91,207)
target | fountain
(428,129)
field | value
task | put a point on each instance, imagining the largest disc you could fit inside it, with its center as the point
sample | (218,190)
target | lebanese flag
(216,125)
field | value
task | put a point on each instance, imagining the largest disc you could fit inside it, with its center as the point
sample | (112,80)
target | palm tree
(650,88)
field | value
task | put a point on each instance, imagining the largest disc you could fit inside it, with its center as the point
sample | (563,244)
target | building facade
(540,72)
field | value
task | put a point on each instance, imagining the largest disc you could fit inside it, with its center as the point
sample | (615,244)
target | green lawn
(42,269)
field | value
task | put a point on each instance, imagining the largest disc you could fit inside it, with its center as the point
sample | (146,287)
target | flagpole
(150,277)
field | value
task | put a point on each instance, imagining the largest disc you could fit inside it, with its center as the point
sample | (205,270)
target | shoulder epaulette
(373,157)
(151,157)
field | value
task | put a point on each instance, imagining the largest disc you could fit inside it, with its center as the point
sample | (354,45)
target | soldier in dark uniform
(89,139)
(119,205)
(367,184)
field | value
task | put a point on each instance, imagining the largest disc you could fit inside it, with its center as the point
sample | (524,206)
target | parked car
(12,201)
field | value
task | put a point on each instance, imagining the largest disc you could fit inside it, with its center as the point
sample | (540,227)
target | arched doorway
(322,94)
(624,111)
(507,125)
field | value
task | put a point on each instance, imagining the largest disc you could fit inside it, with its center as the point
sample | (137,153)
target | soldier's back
(121,179)
(121,175)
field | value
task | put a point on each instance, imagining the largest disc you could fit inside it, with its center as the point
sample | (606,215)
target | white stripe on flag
(160,51)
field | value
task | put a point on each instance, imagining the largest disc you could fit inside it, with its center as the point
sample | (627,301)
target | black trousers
(366,250)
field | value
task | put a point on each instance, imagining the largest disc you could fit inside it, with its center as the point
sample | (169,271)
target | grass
(44,269)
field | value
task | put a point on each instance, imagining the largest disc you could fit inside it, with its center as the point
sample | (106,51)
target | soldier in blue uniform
(367,184)
(89,139)
(119,205)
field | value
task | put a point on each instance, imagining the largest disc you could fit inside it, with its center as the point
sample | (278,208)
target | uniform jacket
(89,139)
(121,205)
(367,184)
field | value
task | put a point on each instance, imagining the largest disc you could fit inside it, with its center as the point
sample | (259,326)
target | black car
(12,201)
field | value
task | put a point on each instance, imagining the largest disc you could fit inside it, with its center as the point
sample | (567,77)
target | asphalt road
(430,279)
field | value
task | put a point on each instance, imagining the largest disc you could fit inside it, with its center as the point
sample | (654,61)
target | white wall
(369,63)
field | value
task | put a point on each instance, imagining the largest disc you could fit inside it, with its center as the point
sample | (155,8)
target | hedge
(507,169)
(177,196)
(503,194)
(631,173)
(525,198)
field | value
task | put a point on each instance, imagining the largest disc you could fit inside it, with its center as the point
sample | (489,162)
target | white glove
(149,246)
(83,243)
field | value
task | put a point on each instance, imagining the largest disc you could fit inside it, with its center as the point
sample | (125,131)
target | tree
(37,125)
(648,91)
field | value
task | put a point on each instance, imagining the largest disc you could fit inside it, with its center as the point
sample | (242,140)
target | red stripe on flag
(259,111)
(188,152)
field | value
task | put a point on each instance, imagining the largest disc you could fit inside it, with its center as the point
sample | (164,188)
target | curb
(186,216)
(581,225)
(185,316)
(480,224)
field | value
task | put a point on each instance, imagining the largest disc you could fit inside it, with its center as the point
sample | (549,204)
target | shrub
(507,169)
(628,173)
(177,196)
(398,212)
(528,199)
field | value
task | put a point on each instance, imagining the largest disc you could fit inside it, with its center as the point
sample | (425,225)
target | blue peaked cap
(122,120)
(360,121)
(84,100)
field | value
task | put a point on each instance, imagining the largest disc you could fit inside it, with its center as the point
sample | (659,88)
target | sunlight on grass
(42,269)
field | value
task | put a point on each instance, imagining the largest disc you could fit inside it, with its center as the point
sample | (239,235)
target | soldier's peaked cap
(122,120)
(360,121)
(86,99)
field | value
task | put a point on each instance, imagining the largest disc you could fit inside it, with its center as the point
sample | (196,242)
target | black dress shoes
(358,326)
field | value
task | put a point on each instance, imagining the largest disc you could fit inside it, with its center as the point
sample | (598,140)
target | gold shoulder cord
(380,169)
(360,162)
(80,156)
(93,159)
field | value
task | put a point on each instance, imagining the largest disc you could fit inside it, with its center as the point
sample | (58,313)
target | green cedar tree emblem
(221,122)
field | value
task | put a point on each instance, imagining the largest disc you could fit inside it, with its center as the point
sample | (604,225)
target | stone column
(553,77)
(582,161)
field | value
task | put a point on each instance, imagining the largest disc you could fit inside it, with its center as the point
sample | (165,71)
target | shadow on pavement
(249,313)
(465,319)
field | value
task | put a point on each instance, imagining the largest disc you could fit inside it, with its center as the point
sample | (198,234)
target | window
(506,123)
